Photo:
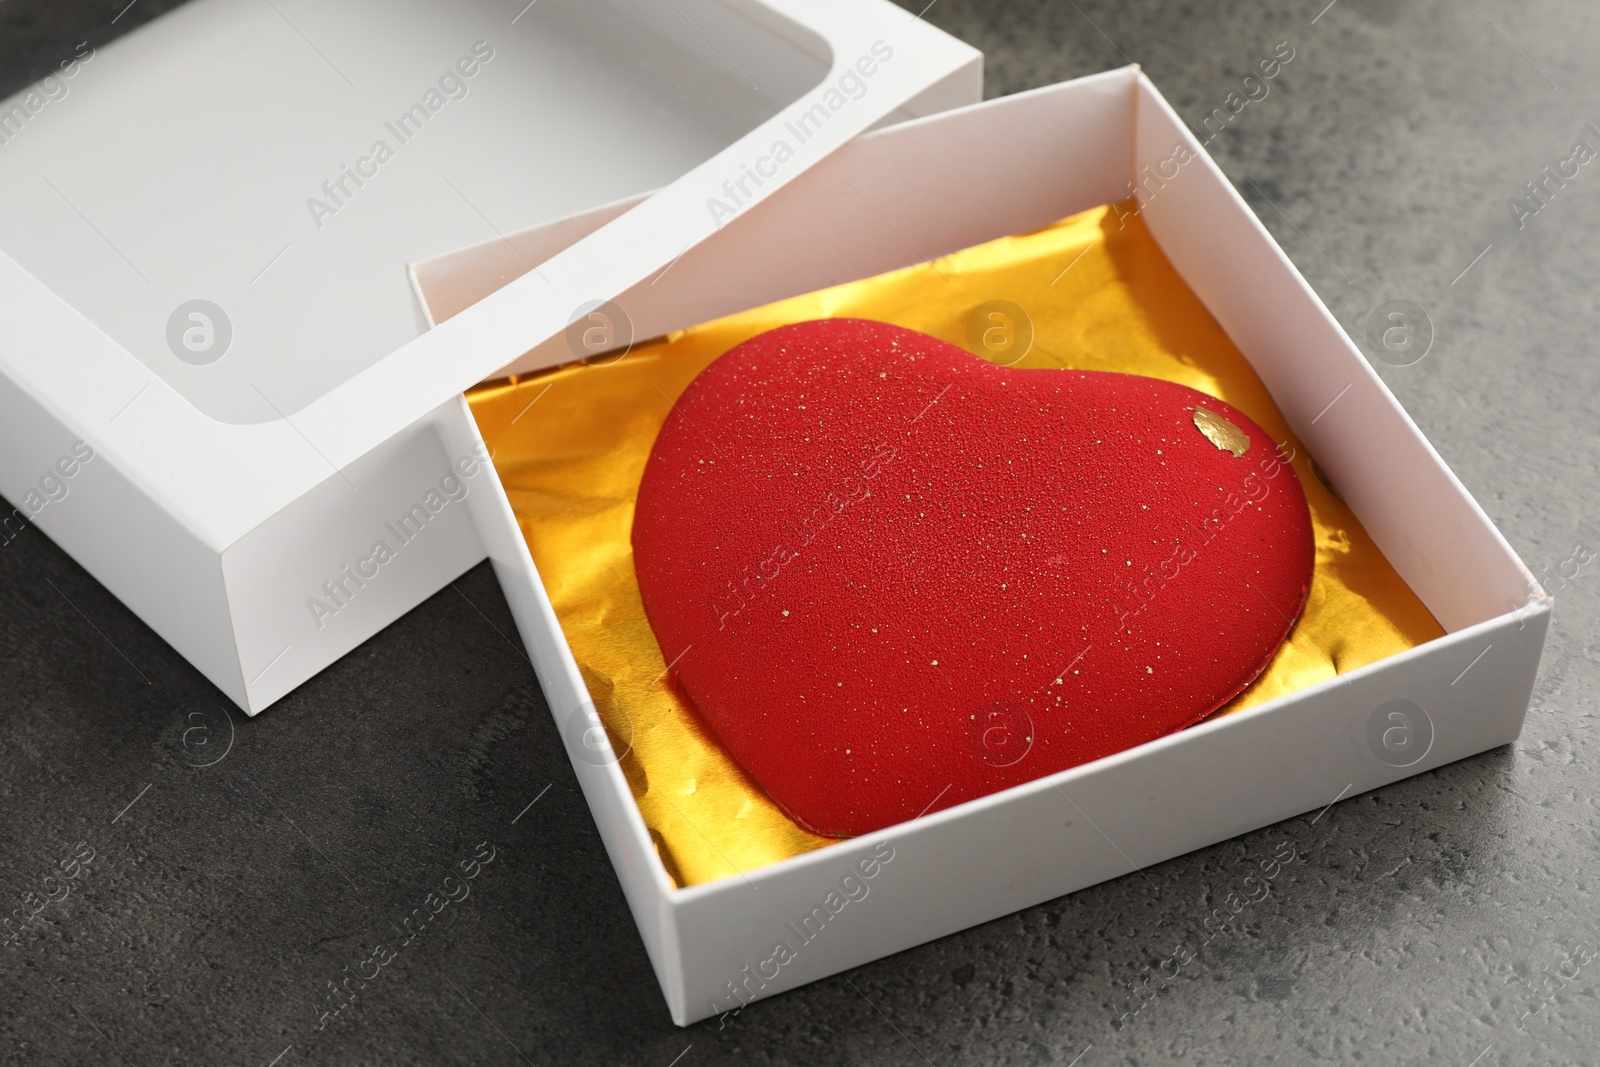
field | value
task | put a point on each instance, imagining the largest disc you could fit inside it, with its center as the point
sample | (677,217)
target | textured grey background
(1449,919)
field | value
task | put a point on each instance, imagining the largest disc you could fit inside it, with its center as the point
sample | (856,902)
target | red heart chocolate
(894,577)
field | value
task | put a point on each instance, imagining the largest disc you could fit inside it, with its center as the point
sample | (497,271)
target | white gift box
(942,183)
(216,390)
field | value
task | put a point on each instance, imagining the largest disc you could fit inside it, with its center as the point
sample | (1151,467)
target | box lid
(203,265)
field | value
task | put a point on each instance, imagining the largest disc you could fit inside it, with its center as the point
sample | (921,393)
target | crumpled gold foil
(570,445)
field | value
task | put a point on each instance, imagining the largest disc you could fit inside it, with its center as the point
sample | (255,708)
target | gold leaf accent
(1220,432)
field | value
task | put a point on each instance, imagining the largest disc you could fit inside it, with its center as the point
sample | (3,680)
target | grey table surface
(1448,919)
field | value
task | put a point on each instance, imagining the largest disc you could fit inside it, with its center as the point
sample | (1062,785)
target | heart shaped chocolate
(894,577)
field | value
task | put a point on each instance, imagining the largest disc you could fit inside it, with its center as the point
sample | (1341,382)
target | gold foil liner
(1093,291)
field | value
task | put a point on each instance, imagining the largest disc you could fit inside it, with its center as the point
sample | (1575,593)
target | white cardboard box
(226,467)
(1066,148)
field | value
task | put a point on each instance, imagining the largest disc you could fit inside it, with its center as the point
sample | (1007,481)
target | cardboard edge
(645,882)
